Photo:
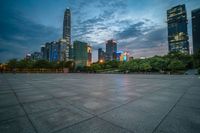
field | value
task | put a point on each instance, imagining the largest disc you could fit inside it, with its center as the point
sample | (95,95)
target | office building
(196,30)
(42,51)
(89,52)
(82,53)
(177,29)
(122,56)
(67,26)
(101,55)
(36,56)
(111,49)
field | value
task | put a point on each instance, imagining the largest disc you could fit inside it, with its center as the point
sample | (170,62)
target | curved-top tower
(67,26)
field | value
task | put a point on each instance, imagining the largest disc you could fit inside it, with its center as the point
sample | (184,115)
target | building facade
(67,26)
(89,52)
(82,53)
(101,55)
(122,56)
(111,49)
(36,56)
(196,30)
(55,51)
(177,29)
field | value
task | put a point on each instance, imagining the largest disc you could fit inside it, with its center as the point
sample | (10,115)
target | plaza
(99,103)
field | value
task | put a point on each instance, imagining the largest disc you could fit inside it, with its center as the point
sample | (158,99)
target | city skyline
(25,28)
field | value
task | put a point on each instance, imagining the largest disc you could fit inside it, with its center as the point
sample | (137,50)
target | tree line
(174,62)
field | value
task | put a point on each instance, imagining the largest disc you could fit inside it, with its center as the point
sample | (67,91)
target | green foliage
(158,63)
(174,62)
(95,67)
(176,65)
(28,64)
(12,63)
(145,67)
(42,64)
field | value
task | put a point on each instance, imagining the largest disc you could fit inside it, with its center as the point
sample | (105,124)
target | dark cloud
(154,38)
(19,35)
(133,30)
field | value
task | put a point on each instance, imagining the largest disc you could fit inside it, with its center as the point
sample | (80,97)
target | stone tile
(11,112)
(8,100)
(56,119)
(34,98)
(140,116)
(93,105)
(43,105)
(136,103)
(16,125)
(181,120)
(94,125)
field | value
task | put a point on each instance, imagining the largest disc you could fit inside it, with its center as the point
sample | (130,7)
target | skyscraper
(67,26)
(196,30)
(89,52)
(177,29)
(101,55)
(111,49)
(82,54)
(67,34)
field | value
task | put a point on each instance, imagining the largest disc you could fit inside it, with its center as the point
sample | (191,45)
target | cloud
(152,43)
(132,31)
(19,35)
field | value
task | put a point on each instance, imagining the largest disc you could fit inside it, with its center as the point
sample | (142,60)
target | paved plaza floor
(99,103)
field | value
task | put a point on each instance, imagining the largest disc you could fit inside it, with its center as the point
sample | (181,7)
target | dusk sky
(138,26)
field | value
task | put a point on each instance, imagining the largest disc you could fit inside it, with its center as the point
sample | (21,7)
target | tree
(176,65)
(159,63)
(133,66)
(145,66)
(42,64)
(12,63)
(95,67)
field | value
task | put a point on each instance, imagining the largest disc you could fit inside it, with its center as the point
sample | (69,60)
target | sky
(138,26)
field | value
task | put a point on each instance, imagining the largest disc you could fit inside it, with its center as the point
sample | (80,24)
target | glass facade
(67,26)
(82,53)
(196,30)
(111,49)
(177,29)
(67,33)
(101,55)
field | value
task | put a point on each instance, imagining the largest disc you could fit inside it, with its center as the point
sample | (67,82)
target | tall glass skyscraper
(67,26)
(67,33)
(111,49)
(196,30)
(177,29)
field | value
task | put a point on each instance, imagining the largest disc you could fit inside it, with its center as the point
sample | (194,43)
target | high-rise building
(64,50)
(36,56)
(89,52)
(177,29)
(101,55)
(54,51)
(47,51)
(196,30)
(67,26)
(42,51)
(111,49)
(122,56)
(82,53)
